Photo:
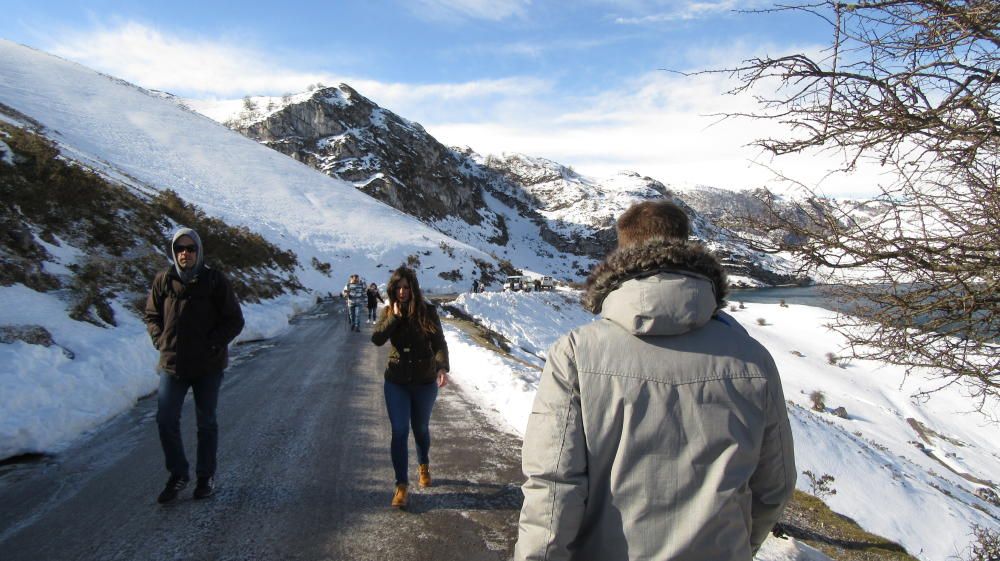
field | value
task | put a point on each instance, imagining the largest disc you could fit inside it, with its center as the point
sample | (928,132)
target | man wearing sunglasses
(192,315)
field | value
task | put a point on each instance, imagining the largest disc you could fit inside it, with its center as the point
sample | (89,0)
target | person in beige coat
(659,431)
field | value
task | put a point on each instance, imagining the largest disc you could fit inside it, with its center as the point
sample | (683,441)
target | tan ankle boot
(424,471)
(399,497)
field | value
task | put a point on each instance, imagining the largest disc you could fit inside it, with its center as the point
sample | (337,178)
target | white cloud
(493,10)
(531,49)
(653,12)
(203,68)
(191,67)
(656,125)
(475,92)
(660,126)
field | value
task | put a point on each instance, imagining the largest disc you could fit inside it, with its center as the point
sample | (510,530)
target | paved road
(304,472)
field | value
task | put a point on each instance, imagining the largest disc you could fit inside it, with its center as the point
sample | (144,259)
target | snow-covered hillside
(572,203)
(151,143)
(539,215)
(584,209)
(907,469)
(904,468)
(347,136)
(146,141)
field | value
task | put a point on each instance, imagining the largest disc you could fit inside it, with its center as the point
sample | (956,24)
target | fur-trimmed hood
(657,255)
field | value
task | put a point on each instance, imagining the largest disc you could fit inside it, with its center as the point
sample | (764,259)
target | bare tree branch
(915,86)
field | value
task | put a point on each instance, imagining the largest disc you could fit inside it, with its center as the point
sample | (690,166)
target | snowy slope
(909,493)
(151,142)
(347,136)
(575,204)
(147,141)
(893,480)
(577,207)
(554,216)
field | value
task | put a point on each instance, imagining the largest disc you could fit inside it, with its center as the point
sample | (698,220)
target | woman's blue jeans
(170,401)
(409,405)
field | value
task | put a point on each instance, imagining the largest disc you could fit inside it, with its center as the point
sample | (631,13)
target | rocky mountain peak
(528,170)
(348,136)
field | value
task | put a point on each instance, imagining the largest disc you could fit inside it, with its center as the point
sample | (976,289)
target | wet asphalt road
(304,472)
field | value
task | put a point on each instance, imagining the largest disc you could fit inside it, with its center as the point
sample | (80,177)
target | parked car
(547,283)
(514,283)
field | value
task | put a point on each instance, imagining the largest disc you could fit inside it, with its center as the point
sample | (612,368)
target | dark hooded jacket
(373,296)
(415,356)
(658,431)
(191,322)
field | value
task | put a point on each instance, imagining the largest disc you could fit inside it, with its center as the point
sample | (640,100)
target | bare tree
(912,85)
(249,104)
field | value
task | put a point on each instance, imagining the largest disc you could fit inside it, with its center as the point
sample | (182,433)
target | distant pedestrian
(192,315)
(418,366)
(374,298)
(659,431)
(356,295)
(475,286)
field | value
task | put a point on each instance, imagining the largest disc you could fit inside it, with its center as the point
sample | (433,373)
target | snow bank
(51,395)
(883,479)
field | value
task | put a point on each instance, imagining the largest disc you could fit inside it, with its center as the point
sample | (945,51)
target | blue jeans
(409,404)
(355,317)
(170,400)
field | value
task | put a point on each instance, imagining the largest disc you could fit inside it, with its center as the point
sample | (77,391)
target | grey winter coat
(659,432)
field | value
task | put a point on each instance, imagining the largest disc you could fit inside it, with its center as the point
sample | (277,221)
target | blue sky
(581,82)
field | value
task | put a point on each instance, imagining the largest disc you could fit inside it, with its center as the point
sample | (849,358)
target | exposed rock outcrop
(346,135)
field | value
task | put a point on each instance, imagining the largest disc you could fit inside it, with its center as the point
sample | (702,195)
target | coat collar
(656,256)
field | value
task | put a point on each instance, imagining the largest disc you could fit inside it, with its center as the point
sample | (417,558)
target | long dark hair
(416,310)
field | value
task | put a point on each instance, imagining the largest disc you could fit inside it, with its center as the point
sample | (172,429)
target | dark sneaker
(205,488)
(174,485)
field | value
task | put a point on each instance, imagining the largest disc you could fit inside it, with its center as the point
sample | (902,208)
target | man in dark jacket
(374,298)
(192,315)
(658,431)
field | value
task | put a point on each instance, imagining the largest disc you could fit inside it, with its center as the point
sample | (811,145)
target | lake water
(818,296)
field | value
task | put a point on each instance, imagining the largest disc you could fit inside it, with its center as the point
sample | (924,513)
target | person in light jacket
(356,294)
(659,431)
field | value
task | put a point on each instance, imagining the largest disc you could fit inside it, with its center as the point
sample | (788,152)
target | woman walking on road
(418,366)
(373,295)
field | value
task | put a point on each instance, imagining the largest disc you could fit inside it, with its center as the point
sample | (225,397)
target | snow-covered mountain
(579,211)
(918,471)
(150,144)
(286,231)
(478,199)
(146,151)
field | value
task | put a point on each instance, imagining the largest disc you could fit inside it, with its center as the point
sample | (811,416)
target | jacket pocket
(392,369)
